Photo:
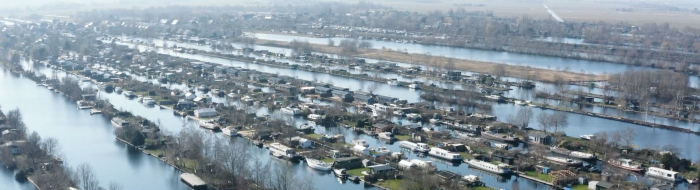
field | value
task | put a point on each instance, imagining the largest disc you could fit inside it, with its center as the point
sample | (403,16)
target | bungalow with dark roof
(323,91)
(343,95)
(381,127)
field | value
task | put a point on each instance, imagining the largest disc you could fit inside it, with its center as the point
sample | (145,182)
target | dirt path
(522,72)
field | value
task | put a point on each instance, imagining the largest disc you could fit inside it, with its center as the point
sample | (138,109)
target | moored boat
(341,173)
(489,167)
(563,161)
(626,164)
(360,142)
(499,137)
(230,131)
(444,154)
(282,151)
(416,147)
(574,154)
(209,124)
(82,104)
(318,164)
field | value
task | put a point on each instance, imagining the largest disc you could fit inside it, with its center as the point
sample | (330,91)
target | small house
(541,138)
(184,104)
(382,171)
(380,127)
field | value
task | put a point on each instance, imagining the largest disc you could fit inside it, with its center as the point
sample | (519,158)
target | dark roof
(348,159)
(380,125)
(448,175)
(605,184)
(381,167)
(537,134)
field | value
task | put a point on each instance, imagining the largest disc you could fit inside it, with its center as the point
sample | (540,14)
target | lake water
(84,138)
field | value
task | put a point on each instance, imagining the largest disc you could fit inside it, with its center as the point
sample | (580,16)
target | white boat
(119,122)
(314,117)
(494,97)
(393,82)
(663,174)
(317,164)
(587,137)
(387,136)
(341,173)
(230,131)
(308,129)
(626,164)
(416,147)
(444,154)
(208,124)
(499,137)
(360,142)
(519,102)
(129,94)
(574,154)
(501,145)
(148,101)
(563,161)
(82,104)
(282,151)
(489,167)
(413,86)
(291,111)
(471,178)
(382,151)
(582,155)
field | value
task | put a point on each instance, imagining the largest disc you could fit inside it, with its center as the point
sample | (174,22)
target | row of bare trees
(40,160)
(217,158)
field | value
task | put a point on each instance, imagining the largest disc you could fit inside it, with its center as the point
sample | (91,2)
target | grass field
(358,171)
(539,175)
(394,184)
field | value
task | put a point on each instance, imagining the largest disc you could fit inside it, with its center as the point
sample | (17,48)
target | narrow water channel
(578,124)
(84,138)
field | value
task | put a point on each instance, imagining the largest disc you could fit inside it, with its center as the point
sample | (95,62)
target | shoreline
(521,72)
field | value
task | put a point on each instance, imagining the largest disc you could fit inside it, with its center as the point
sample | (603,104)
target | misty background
(678,13)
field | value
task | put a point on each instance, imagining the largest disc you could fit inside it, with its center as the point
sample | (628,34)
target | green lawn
(580,187)
(156,152)
(358,171)
(394,184)
(402,137)
(314,136)
(483,188)
(328,160)
(466,155)
(538,175)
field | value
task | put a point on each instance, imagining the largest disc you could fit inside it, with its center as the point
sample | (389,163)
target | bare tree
(330,42)
(558,120)
(543,121)
(627,135)
(51,146)
(115,186)
(499,70)
(86,178)
(365,45)
(522,118)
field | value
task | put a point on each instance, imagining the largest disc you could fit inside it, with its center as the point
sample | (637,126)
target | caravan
(663,174)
